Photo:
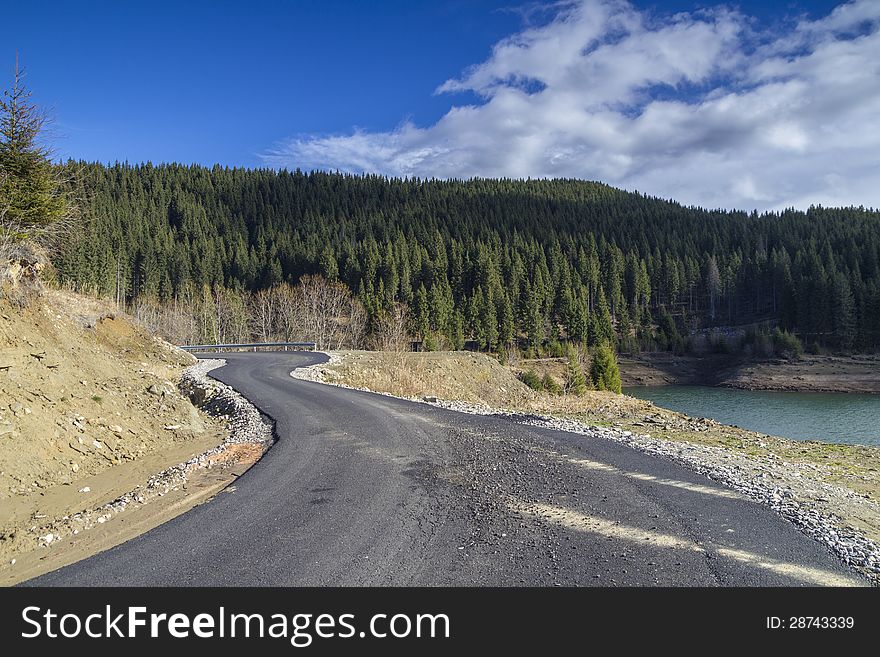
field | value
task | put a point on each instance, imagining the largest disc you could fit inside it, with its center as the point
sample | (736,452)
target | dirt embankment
(663,368)
(461,375)
(809,374)
(857,373)
(843,481)
(89,411)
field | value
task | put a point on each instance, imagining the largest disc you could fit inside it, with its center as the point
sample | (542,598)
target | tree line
(491,263)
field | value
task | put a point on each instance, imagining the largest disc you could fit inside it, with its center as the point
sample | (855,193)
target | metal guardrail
(247,345)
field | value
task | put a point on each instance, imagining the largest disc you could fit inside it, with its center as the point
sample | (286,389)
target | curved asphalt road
(363,489)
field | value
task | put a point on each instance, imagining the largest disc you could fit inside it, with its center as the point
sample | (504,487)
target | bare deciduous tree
(324,305)
(263,307)
(232,318)
(316,310)
(357,324)
(288,321)
(713,284)
(392,329)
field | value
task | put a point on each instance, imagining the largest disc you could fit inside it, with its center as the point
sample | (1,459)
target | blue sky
(222,81)
(459,88)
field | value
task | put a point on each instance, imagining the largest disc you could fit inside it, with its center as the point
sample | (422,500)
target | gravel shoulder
(828,491)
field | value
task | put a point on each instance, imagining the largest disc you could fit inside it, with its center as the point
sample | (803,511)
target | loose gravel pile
(245,424)
(757,478)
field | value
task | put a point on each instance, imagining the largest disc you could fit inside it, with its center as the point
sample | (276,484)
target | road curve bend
(364,489)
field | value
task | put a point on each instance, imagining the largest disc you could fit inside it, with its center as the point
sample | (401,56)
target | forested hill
(487,260)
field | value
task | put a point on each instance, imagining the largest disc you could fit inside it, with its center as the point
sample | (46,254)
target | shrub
(787,344)
(550,385)
(555,349)
(531,379)
(604,370)
(576,381)
(430,342)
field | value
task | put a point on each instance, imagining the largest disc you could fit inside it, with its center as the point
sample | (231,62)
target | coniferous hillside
(484,260)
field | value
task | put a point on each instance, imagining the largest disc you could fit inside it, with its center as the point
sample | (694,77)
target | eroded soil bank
(93,422)
(857,373)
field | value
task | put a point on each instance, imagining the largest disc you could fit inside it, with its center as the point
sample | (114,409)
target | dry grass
(462,375)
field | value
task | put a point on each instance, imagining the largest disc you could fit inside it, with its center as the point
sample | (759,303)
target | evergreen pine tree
(506,324)
(576,380)
(32,199)
(456,331)
(601,326)
(604,370)
(328,264)
(489,321)
(421,313)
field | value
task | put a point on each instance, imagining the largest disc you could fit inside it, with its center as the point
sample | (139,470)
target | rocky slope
(90,410)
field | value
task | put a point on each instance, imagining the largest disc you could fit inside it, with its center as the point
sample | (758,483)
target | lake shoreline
(834,418)
(847,374)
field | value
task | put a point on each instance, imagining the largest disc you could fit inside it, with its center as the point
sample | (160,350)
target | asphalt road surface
(363,489)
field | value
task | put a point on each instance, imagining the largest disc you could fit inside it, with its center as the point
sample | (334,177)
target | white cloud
(702,107)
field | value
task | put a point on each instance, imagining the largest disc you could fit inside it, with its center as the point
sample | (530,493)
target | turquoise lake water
(828,417)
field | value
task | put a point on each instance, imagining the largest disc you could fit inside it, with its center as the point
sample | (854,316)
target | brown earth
(856,373)
(89,410)
(663,368)
(810,374)
(202,484)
